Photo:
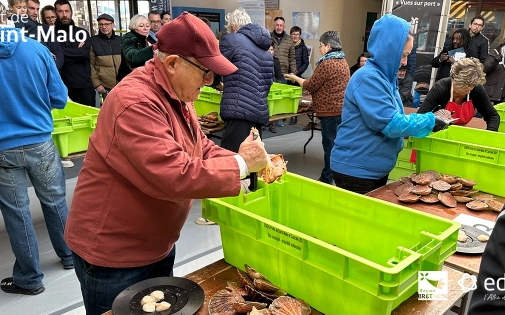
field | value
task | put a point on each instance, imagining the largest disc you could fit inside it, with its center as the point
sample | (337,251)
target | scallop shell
(477,205)
(456,186)
(421,190)
(463,199)
(405,180)
(495,205)
(408,198)
(423,178)
(286,305)
(246,307)
(460,192)
(483,197)
(448,178)
(274,170)
(264,311)
(236,288)
(433,173)
(467,182)
(258,296)
(265,285)
(253,273)
(244,278)
(403,189)
(431,198)
(222,303)
(440,185)
(447,199)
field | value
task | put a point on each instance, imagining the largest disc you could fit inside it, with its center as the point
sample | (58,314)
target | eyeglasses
(104,24)
(477,24)
(205,71)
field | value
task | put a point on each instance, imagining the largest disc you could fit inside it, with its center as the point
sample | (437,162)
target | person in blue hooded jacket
(244,102)
(373,121)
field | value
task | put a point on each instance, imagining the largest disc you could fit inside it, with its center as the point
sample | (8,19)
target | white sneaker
(67,163)
(203,221)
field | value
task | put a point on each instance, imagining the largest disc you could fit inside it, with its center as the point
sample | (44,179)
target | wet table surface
(465,262)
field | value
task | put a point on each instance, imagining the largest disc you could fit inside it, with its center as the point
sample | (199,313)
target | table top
(467,263)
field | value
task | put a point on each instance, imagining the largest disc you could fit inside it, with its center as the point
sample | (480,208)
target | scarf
(332,54)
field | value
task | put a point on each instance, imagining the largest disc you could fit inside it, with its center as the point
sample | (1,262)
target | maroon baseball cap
(189,36)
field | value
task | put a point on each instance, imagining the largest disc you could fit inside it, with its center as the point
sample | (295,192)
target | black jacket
(45,38)
(405,89)
(277,71)
(76,71)
(491,302)
(495,76)
(480,44)
(444,67)
(440,94)
(302,58)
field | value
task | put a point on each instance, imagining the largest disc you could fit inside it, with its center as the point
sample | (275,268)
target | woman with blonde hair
(136,46)
(462,93)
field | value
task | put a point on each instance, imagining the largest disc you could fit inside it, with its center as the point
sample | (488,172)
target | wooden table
(465,263)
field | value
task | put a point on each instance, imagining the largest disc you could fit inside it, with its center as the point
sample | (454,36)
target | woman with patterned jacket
(327,86)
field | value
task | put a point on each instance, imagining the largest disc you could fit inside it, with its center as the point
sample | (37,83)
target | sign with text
(159,5)
(271,4)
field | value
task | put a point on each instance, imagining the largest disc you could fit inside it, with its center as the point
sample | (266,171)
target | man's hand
(100,89)
(80,44)
(54,56)
(254,154)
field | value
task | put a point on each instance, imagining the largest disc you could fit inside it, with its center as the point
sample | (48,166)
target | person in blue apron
(462,94)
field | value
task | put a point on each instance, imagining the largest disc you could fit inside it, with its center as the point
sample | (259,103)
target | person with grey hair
(136,46)
(462,93)
(327,86)
(236,19)
(373,119)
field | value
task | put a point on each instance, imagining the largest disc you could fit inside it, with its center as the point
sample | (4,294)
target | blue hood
(9,40)
(386,43)
(257,34)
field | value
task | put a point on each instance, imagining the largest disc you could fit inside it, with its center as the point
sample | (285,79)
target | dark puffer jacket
(302,58)
(285,50)
(245,91)
(495,76)
(105,59)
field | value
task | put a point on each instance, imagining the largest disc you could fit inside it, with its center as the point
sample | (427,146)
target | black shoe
(293,120)
(8,286)
(68,267)
(272,128)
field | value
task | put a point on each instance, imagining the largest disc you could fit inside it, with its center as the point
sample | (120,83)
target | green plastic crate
(500,108)
(403,166)
(467,152)
(343,253)
(208,102)
(283,99)
(72,127)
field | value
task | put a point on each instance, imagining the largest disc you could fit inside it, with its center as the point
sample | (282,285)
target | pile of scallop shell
(255,296)
(432,187)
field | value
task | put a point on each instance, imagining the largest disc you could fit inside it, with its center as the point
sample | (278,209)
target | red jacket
(141,173)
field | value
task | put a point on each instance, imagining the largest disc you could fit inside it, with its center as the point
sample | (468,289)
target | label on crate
(283,237)
(427,285)
(480,154)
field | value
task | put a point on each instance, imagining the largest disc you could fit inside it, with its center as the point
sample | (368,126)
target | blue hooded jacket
(245,91)
(373,121)
(30,86)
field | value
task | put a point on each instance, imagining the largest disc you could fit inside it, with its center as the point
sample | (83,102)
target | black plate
(184,295)
(472,244)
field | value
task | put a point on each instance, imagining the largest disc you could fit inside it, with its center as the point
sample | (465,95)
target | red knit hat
(189,36)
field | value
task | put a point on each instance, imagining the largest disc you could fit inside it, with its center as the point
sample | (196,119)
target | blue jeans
(329,127)
(42,163)
(101,285)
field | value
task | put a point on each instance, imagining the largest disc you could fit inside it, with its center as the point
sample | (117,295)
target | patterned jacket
(327,86)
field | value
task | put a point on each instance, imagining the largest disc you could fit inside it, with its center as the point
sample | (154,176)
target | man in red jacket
(146,162)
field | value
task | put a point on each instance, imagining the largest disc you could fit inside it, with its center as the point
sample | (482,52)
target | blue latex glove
(414,125)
